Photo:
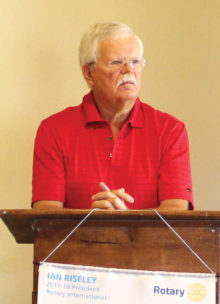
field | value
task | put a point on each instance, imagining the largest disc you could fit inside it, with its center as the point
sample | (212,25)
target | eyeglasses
(118,64)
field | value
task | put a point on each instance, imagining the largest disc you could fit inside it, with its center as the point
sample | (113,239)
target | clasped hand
(111,199)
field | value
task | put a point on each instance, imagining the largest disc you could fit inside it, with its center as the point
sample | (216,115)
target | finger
(103,195)
(103,204)
(108,194)
(119,192)
(117,203)
(112,203)
(123,195)
(103,187)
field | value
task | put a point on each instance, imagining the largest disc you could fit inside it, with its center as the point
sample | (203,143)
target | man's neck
(115,116)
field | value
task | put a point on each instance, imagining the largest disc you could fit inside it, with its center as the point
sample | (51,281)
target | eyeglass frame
(118,64)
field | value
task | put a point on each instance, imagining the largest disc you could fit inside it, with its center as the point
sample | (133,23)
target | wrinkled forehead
(123,47)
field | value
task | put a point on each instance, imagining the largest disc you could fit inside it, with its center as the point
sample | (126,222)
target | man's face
(106,76)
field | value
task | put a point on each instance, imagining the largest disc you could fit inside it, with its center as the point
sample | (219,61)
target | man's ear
(88,74)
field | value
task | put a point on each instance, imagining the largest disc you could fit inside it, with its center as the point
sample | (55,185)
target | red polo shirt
(75,150)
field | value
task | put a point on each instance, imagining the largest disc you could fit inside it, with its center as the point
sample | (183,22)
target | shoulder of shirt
(158,115)
(64,117)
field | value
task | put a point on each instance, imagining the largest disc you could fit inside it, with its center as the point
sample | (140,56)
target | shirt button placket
(109,139)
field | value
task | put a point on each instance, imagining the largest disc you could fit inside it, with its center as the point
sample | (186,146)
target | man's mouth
(126,82)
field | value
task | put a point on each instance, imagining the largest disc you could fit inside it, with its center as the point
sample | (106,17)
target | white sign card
(65,284)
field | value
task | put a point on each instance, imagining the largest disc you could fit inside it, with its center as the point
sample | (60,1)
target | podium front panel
(128,244)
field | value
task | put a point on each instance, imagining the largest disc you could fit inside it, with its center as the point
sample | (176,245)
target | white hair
(88,49)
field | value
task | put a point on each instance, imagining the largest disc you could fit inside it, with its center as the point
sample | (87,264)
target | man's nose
(128,66)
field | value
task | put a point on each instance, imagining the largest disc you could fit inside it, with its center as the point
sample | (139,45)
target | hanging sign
(65,284)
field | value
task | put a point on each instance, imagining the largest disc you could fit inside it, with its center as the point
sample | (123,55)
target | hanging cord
(64,240)
(183,241)
(158,214)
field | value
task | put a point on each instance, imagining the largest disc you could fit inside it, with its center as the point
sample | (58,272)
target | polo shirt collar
(92,114)
(136,119)
(90,111)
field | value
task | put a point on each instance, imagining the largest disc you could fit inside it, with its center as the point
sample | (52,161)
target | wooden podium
(120,239)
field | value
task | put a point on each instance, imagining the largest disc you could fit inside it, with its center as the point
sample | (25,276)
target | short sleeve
(175,180)
(48,166)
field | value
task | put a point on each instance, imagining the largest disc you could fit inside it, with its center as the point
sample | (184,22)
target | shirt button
(109,138)
(110,154)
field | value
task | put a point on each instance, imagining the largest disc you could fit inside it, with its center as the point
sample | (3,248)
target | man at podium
(112,151)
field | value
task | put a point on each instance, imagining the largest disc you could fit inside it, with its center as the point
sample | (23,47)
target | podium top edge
(21,222)
(106,214)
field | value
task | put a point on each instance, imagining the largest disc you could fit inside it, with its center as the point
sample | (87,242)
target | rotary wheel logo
(196,292)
